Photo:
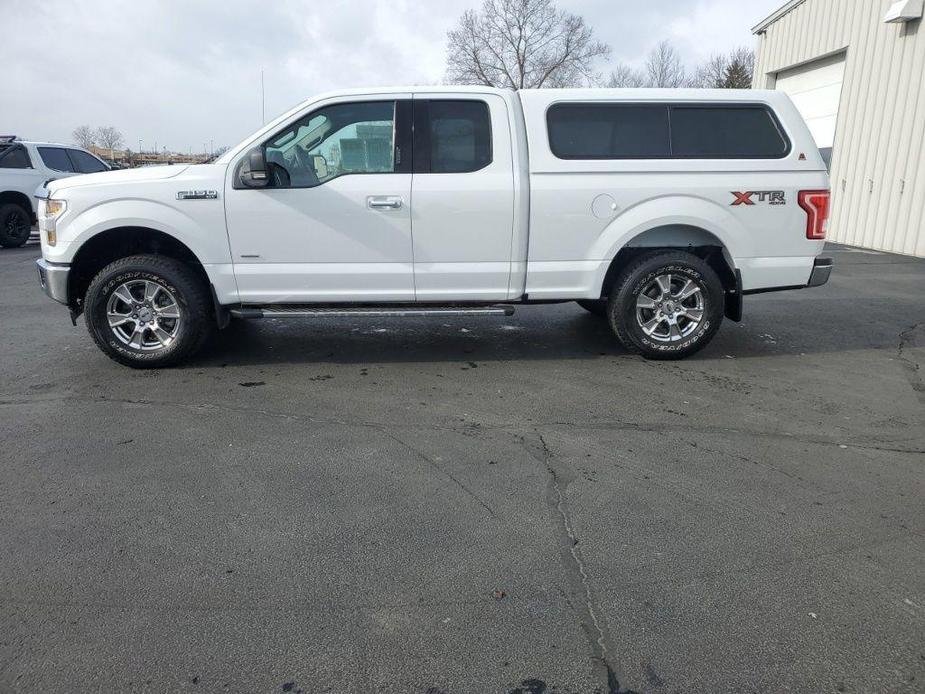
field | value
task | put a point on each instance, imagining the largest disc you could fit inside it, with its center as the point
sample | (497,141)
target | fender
(669,210)
(201,231)
(673,213)
(196,234)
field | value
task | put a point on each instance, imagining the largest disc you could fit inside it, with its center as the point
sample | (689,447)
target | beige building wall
(878,165)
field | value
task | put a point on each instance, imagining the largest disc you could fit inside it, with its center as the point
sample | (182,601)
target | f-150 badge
(197,194)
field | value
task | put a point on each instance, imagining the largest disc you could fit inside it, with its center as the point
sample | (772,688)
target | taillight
(816,204)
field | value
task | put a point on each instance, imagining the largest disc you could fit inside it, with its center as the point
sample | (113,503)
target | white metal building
(856,71)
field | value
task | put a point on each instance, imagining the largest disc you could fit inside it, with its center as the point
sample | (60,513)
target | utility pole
(263,102)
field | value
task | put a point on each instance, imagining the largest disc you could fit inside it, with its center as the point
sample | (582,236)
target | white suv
(656,209)
(25,167)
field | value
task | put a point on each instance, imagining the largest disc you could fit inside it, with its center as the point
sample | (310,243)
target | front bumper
(53,278)
(822,268)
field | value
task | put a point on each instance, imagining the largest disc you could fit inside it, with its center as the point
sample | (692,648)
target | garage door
(816,90)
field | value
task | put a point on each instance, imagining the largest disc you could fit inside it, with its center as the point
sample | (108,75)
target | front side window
(457,136)
(15,157)
(334,141)
(85,162)
(56,158)
(608,131)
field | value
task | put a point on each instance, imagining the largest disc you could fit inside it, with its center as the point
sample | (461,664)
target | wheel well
(20,199)
(120,242)
(676,237)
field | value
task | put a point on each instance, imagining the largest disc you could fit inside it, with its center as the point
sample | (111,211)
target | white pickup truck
(657,209)
(27,166)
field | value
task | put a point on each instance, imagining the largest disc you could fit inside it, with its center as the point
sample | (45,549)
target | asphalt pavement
(443,506)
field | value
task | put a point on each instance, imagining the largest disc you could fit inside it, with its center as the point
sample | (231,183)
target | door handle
(384,202)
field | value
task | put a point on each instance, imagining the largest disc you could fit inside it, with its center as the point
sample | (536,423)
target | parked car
(24,167)
(657,209)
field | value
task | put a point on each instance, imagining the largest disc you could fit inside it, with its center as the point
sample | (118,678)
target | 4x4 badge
(772,197)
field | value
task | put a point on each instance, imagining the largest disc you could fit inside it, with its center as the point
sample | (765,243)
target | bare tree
(664,67)
(109,138)
(625,76)
(710,74)
(522,44)
(732,71)
(84,136)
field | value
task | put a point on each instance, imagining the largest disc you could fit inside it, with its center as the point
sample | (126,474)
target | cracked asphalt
(471,505)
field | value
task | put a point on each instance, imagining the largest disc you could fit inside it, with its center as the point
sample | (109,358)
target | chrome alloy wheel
(670,307)
(143,315)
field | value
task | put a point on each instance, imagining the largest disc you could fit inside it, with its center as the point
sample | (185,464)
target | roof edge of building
(761,26)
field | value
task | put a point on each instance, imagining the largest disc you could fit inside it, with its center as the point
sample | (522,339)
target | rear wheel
(15,225)
(147,311)
(596,306)
(666,305)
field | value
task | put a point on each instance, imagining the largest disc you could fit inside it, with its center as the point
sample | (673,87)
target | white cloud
(187,72)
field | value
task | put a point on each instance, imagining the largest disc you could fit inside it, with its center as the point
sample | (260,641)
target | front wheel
(666,305)
(147,311)
(15,225)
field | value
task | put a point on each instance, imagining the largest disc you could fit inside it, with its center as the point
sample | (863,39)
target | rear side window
(86,163)
(608,131)
(55,158)
(15,157)
(726,132)
(663,131)
(452,136)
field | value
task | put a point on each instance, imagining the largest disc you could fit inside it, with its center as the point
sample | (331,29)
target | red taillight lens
(816,204)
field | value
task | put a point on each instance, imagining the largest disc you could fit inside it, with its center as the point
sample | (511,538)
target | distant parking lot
(490,505)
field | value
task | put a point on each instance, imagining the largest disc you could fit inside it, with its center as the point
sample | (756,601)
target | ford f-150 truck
(656,209)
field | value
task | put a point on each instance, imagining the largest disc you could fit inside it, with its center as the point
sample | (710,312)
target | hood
(144,173)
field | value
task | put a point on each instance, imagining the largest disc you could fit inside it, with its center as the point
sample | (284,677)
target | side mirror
(252,172)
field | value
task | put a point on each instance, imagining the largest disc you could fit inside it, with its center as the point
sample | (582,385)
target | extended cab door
(463,190)
(334,225)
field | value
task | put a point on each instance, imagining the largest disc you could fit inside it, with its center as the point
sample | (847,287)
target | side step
(382,311)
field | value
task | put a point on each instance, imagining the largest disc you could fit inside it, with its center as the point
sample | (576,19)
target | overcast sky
(184,72)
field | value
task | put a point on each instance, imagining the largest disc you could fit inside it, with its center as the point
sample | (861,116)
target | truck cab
(656,209)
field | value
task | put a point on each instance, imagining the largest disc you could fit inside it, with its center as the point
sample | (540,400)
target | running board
(368,311)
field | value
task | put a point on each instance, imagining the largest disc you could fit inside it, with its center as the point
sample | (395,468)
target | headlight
(49,211)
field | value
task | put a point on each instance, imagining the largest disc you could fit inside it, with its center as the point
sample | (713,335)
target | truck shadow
(874,301)
(774,327)
(533,333)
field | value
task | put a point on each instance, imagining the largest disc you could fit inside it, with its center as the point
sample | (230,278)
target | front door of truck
(463,193)
(334,224)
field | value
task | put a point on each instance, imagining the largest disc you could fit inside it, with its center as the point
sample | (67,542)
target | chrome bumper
(822,268)
(53,278)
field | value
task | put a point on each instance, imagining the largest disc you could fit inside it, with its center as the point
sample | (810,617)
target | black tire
(639,277)
(194,307)
(15,225)
(596,306)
